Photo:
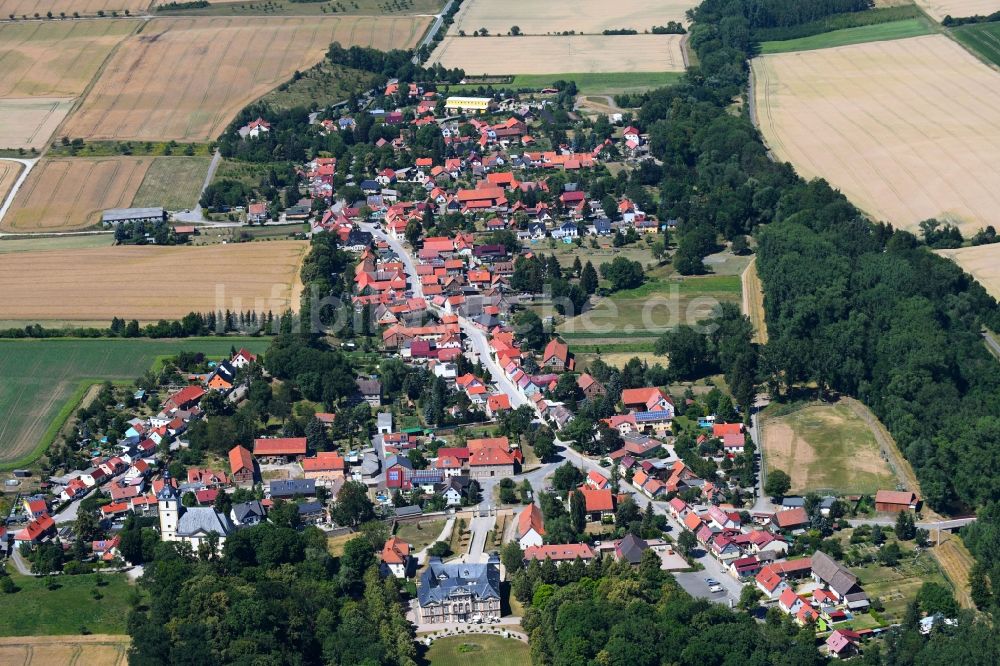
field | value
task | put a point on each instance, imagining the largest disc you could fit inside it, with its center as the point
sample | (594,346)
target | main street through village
(693,582)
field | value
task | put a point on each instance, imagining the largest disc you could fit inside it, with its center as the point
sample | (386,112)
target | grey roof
(385,420)
(370,464)
(203,520)
(793,502)
(244,510)
(310,507)
(406,511)
(439,581)
(402,461)
(631,548)
(292,487)
(369,386)
(837,577)
(125,214)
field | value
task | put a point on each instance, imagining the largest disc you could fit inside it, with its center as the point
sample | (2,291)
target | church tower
(168,506)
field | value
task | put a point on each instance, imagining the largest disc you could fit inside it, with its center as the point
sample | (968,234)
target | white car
(714,585)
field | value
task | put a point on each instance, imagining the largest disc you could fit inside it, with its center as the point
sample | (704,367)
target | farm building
(894,501)
(116,216)
(469,104)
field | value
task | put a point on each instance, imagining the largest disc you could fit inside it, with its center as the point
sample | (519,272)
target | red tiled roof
(895,497)
(559,552)
(598,500)
(240,459)
(323,461)
(530,517)
(281,446)
(395,551)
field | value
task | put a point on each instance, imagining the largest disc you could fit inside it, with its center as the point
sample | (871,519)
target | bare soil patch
(83,7)
(827,448)
(753,302)
(907,129)
(92,650)
(149,283)
(185,78)
(64,194)
(556,55)
(9,171)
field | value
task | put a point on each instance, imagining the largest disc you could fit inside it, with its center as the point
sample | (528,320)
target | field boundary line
(70,405)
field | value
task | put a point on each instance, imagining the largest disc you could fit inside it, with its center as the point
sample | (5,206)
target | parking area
(695,585)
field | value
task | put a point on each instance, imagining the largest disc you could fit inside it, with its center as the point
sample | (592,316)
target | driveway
(480,527)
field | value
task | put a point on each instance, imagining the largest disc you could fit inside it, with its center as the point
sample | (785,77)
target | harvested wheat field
(185,78)
(938,9)
(907,129)
(82,7)
(9,171)
(149,283)
(981,262)
(753,301)
(55,58)
(956,562)
(557,55)
(63,194)
(824,448)
(91,650)
(555,16)
(28,123)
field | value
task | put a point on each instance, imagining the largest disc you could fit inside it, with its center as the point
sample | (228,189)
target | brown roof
(791,517)
(559,552)
(324,461)
(895,497)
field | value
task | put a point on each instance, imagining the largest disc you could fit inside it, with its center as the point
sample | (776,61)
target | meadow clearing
(149,282)
(824,447)
(982,38)
(981,262)
(44,380)
(583,16)
(478,649)
(938,9)
(753,302)
(878,32)
(555,55)
(65,194)
(83,7)
(55,58)
(905,128)
(185,78)
(9,171)
(172,182)
(612,83)
(29,122)
(35,610)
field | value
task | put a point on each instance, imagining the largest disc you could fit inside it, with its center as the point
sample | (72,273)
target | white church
(190,524)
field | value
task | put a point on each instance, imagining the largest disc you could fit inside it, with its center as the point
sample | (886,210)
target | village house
(395,556)
(242,467)
(530,527)
(556,356)
(838,580)
(559,553)
(325,467)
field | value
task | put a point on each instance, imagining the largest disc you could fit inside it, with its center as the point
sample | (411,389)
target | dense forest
(274,596)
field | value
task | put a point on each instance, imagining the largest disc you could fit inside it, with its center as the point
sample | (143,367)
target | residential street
(694,582)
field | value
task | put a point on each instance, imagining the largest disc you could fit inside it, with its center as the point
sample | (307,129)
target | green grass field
(43,380)
(478,649)
(173,183)
(35,610)
(982,39)
(420,534)
(34,244)
(898,585)
(324,85)
(664,302)
(824,448)
(869,33)
(610,84)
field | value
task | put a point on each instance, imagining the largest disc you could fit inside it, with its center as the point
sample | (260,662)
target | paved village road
(692,582)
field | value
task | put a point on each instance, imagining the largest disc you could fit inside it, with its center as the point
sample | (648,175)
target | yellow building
(469,104)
